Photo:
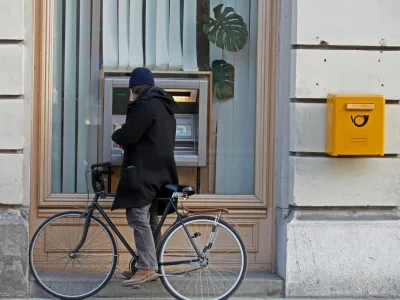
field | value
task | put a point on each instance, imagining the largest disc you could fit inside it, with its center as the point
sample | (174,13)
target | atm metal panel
(191,134)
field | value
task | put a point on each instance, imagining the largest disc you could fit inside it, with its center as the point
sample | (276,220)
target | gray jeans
(144,222)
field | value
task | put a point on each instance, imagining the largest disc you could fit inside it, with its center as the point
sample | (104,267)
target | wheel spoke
(222,271)
(70,276)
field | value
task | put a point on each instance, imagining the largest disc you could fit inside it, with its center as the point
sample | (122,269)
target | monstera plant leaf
(227,30)
(223,79)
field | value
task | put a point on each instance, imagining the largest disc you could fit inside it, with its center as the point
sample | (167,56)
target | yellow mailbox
(355,125)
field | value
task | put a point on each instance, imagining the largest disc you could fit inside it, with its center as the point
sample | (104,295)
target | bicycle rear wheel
(63,273)
(218,275)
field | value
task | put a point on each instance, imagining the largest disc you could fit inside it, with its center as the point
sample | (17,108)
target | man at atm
(148,140)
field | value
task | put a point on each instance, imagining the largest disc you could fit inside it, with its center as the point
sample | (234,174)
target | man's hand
(118,126)
(137,122)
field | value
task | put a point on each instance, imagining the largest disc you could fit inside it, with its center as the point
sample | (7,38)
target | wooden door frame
(43,203)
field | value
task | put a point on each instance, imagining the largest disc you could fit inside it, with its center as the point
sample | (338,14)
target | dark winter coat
(148,140)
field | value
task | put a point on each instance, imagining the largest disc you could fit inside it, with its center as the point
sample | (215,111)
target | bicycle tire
(40,282)
(174,228)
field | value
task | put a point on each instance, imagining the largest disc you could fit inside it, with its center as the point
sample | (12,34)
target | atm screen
(120,100)
(183,130)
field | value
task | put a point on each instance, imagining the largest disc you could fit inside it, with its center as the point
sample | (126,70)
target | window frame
(252,206)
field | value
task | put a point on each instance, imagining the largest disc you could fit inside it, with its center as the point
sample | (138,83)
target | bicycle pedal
(136,286)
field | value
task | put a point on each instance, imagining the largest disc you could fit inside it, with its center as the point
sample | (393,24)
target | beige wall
(343,47)
(11,104)
(337,220)
(15,97)
(16,57)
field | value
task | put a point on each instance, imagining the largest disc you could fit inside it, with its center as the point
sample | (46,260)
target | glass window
(174,35)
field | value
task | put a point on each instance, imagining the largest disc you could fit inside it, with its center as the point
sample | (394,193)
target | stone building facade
(337,218)
(16,94)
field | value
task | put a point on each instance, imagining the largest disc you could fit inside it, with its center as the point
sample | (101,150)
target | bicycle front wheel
(64,273)
(220,271)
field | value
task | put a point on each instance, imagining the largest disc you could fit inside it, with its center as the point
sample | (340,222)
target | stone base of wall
(339,253)
(14,243)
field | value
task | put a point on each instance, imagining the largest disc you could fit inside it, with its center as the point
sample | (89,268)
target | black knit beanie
(141,76)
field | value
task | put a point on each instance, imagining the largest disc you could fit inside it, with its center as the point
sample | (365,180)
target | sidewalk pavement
(255,285)
(372,298)
(234,298)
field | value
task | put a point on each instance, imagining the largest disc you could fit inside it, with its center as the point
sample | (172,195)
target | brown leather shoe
(127,274)
(141,276)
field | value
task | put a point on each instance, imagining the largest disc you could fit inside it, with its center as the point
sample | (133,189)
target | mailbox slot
(360,106)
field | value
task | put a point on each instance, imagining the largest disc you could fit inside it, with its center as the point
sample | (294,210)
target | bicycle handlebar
(103,164)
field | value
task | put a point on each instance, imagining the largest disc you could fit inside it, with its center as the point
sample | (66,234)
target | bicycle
(73,255)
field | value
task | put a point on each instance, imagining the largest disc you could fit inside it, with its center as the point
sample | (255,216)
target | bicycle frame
(95,205)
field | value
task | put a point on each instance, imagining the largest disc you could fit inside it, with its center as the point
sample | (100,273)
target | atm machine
(191,95)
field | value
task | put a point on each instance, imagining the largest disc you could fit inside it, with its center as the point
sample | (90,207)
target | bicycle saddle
(187,189)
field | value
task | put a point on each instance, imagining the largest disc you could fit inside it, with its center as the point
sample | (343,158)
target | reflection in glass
(173,35)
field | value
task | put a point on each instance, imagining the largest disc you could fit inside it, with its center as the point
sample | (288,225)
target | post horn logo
(360,121)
